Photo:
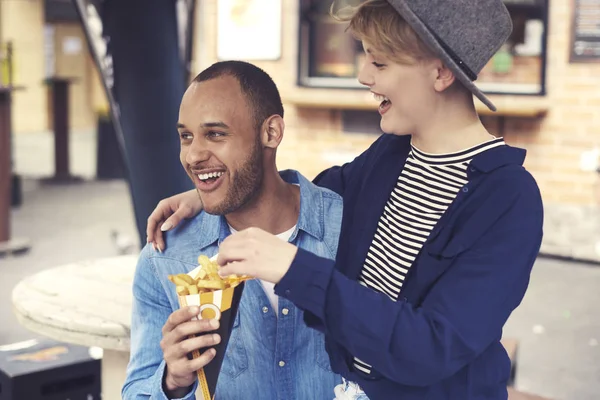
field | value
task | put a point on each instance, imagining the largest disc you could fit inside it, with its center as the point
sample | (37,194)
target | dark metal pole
(7,244)
(16,195)
(9,54)
(149,81)
(59,91)
(5,164)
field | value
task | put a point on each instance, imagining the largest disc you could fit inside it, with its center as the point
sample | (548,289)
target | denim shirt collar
(214,228)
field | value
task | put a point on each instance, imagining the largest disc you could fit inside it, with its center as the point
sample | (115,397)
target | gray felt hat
(465,34)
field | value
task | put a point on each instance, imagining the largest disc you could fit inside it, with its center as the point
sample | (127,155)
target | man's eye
(185,136)
(215,134)
(376,64)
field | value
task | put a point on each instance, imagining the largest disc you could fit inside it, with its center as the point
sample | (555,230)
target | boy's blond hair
(377,23)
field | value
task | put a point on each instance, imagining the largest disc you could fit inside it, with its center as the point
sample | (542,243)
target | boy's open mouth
(385,103)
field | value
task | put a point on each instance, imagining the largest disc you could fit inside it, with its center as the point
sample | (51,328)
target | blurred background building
(544,81)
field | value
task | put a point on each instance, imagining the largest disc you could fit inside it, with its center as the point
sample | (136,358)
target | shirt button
(285,311)
(265,310)
(282,363)
(287,292)
(472,169)
(465,189)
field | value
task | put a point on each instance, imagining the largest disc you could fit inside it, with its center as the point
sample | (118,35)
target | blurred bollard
(16,198)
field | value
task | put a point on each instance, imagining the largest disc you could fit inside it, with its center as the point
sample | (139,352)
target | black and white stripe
(426,187)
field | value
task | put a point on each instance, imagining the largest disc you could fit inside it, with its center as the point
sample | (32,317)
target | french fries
(216,298)
(206,279)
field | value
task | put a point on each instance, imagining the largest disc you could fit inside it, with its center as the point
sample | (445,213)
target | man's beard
(245,184)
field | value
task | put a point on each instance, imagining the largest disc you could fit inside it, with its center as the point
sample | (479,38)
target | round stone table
(86,303)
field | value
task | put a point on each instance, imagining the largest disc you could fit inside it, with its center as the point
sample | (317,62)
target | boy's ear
(272,131)
(445,77)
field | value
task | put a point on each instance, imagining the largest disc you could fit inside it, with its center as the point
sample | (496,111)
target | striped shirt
(425,188)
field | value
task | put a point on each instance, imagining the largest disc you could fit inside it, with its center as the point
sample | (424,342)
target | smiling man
(230,126)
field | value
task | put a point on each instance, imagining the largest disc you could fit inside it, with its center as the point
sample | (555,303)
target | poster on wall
(249,30)
(585,35)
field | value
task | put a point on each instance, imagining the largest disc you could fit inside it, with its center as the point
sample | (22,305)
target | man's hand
(256,253)
(168,213)
(177,345)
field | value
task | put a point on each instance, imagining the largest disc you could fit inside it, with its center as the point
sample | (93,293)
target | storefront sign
(585,37)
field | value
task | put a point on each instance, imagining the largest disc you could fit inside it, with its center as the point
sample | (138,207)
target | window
(331,58)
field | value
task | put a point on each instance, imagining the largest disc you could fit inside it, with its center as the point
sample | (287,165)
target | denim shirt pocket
(236,358)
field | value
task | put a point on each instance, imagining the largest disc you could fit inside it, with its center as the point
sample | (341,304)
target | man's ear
(272,131)
(445,77)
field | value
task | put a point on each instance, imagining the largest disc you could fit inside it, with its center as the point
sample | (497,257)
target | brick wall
(555,143)
(314,138)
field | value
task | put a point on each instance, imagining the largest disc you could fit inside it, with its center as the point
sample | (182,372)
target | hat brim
(428,37)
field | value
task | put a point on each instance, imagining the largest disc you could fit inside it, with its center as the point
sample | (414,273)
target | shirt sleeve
(461,315)
(151,309)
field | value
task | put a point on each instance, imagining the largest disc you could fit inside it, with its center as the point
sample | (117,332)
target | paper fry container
(221,305)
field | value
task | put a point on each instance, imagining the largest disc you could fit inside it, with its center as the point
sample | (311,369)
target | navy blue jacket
(441,339)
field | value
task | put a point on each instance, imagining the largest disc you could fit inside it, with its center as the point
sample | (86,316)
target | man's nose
(198,152)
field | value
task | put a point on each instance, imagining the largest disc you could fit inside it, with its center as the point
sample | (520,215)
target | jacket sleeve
(462,314)
(151,309)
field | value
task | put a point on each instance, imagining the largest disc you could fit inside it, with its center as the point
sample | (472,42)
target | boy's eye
(185,136)
(378,65)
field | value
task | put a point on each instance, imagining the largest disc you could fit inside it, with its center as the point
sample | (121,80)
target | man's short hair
(258,87)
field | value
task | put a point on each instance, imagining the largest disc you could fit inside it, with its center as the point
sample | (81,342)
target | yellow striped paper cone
(221,305)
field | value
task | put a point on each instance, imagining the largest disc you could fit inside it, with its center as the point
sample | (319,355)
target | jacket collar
(210,229)
(497,157)
(484,162)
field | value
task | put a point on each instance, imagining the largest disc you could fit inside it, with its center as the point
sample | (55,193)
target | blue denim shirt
(260,341)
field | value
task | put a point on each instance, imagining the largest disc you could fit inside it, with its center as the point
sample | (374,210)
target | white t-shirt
(269,287)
